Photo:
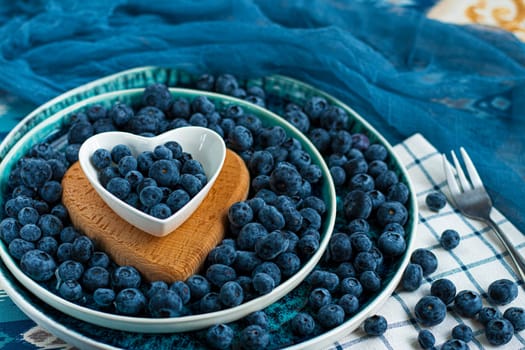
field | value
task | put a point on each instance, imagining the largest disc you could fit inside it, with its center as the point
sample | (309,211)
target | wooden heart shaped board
(170,258)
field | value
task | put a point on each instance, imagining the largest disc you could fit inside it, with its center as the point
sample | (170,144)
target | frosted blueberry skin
(426,339)
(430,311)
(436,201)
(502,292)
(426,259)
(454,344)
(462,332)
(449,239)
(516,316)
(412,277)
(219,336)
(467,303)
(499,331)
(444,289)
(375,325)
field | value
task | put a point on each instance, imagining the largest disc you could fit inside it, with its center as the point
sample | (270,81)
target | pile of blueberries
(270,235)
(157,182)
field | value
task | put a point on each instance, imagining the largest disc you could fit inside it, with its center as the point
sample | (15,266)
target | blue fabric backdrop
(403,72)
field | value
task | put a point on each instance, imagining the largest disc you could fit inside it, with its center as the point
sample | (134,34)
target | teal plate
(280,91)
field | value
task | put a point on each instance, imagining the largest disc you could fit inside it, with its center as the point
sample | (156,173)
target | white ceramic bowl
(203,144)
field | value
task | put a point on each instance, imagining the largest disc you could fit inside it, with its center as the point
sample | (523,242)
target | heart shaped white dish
(203,144)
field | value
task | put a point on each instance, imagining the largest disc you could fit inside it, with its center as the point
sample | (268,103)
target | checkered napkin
(478,260)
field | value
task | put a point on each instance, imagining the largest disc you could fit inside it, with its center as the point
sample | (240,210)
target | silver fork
(471,198)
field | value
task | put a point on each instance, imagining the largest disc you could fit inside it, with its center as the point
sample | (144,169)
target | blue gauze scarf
(458,86)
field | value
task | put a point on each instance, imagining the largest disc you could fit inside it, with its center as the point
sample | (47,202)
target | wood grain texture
(170,258)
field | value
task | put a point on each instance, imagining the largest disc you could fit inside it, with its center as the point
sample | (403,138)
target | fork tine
(451,179)
(461,175)
(471,169)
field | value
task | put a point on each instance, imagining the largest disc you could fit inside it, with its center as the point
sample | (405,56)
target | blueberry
(127,164)
(360,242)
(338,175)
(340,247)
(177,199)
(330,316)
(488,313)
(180,108)
(210,302)
(375,325)
(302,324)
(160,211)
(120,114)
(454,344)
(198,285)
(364,261)
(101,158)
(120,151)
(261,163)
(430,311)
(231,294)
(391,212)
(269,268)
(314,107)
(349,303)
(64,251)
(157,95)
(164,172)
(360,141)
(351,286)
(516,316)
(370,281)
(30,232)
(82,249)
(130,301)
(255,100)
(385,180)
(467,303)
(333,118)
(285,179)
(9,229)
(125,277)
(106,174)
(320,138)
(104,297)
(502,292)
(219,336)
(38,265)
(218,274)
(449,239)
(358,225)
(311,219)
(68,234)
(263,283)
(155,287)
(436,200)
(257,317)
(444,289)
(270,217)
(222,254)
(377,197)
(96,112)
(240,138)
(165,303)
(299,120)
(499,331)
(198,119)
(144,161)
(35,172)
(119,187)
(226,84)
(324,279)
(150,196)
(79,132)
(60,211)
(249,234)
(48,244)
(18,247)
(355,166)
(71,152)
(254,337)
(412,277)
(319,297)
(95,277)
(201,104)
(134,177)
(246,261)
(307,245)
(240,213)
(99,259)
(271,245)
(426,259)
(362,182)
(70,270)
(341,142)
(357,204)
(398,192)
(426,339)
(391,243)
(70,290)
(462,332)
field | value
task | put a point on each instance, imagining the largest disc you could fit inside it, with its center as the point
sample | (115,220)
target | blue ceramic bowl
(279,89)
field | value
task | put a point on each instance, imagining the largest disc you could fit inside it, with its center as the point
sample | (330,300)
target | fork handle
(517,257)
